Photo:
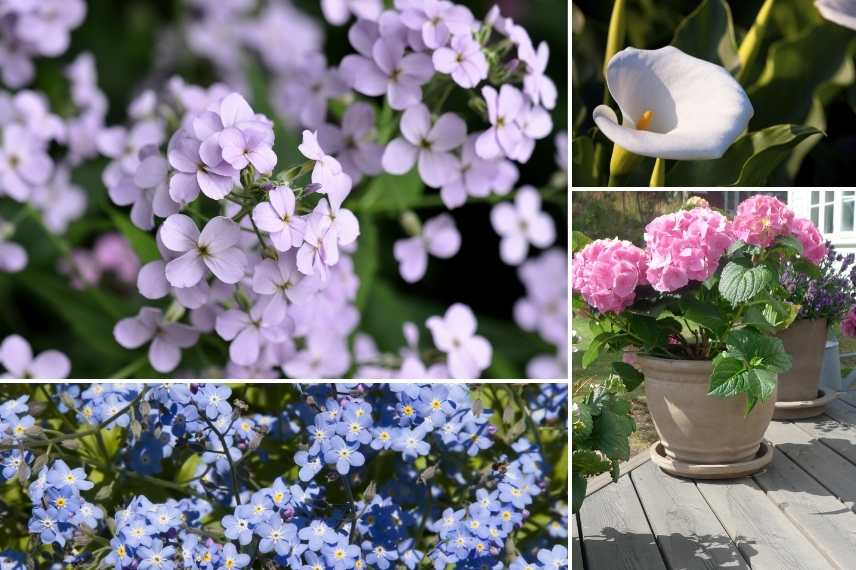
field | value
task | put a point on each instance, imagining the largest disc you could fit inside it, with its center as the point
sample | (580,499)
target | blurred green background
(124,37)
(805,76)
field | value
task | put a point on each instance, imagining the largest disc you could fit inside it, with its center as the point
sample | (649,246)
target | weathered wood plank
(849,397)
(600,481)
(828,523)
(615,533)
(576,550)
(687,531)
(764,535)
(836,429)
(833,471)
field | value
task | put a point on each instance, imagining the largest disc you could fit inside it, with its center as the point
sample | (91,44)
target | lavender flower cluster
(355,476)
(261,255)
(830,294)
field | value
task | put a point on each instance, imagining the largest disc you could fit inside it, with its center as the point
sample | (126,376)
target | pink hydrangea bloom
(848,325)
(606,273)
(685,246)
(761,219)
(814,247)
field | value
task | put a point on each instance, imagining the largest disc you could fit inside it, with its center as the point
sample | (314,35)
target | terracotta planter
(696,428)
(805,341)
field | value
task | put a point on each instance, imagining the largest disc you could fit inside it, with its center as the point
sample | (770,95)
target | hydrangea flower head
(685,246)
(761,219)
(606,273)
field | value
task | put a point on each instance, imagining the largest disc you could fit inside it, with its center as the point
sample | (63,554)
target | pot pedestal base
(804,409)
(712,471)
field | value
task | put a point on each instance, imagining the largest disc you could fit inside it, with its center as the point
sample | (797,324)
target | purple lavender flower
(429,144)
(504,134)
(437,20)
(353,144)
(522,224)
(167,338)
(17,357)
(391,72)
(23,163)
(454,333)
(247,332)
(337,12)
(439,237)
(277,217)
(463,60)
(215,248)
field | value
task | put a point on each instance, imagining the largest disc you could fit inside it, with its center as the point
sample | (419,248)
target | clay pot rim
(677,364)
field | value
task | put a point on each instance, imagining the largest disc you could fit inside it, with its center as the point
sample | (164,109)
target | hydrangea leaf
(590,462)
(741,282)
(631,377)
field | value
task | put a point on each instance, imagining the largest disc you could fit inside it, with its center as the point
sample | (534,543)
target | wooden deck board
(615,532)
(762,532)
(798,513)
(576,546)
(689,534)
(827,522)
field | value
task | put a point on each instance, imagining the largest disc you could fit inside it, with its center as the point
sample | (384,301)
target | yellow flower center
(644,122)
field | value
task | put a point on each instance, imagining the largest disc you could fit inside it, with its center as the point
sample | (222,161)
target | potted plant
(699,306)
(824,294)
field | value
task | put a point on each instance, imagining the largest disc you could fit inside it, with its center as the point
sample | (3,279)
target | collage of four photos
(284,284)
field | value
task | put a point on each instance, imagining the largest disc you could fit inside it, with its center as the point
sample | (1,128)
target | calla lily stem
(658,176)
(751,45)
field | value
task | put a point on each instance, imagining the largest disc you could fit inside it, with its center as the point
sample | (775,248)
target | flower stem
(751,45)
(617,31)
(658,176)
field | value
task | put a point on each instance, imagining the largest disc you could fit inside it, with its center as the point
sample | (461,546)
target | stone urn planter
(702,436)
(800,394)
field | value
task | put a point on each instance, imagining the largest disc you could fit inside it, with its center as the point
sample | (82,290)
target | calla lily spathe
(674,106)
(841,12)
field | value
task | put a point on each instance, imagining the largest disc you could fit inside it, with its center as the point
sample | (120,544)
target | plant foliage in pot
(825,294)
(698,308)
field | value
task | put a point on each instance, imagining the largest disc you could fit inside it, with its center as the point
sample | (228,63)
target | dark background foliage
(125,37)
(651,24)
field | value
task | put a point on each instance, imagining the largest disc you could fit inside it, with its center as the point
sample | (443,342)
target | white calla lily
(674,106)
(841,12)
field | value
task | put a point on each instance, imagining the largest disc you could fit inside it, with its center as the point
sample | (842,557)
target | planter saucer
(805,409)
(712,471)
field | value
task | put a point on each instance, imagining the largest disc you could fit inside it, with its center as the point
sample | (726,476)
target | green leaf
(141,242)
(759,317)
(582,160)
(707,315)
(795,68)
(594,349)
(740,283)
(582,422)
(708,34)
(749,346)
(388,193)
(807,267)
(366,260)
(579,240)
(612,428)
(188,469)
(749,161)
(631,377)
(789,243)
(589,462)
(724,380)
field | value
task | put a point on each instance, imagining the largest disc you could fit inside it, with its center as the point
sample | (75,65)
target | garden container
(698,430)
(800,395)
